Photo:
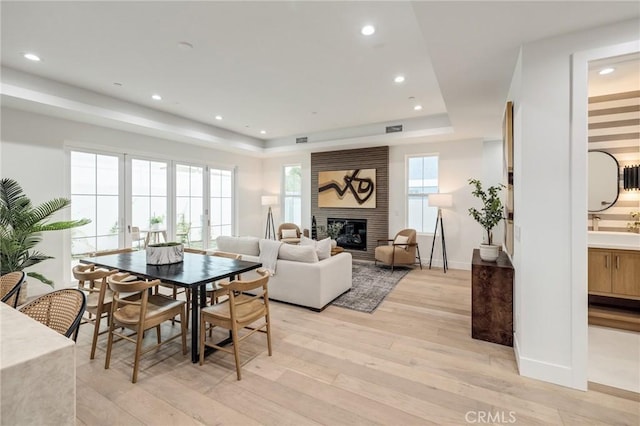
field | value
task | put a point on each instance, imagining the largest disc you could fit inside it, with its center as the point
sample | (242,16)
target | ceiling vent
(303,139)
(394,129)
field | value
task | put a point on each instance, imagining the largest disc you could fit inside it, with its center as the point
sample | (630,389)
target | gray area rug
(371,284)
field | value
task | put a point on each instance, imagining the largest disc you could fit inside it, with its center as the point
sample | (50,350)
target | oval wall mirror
(604,180)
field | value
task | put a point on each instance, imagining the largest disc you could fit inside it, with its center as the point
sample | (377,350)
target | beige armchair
(289,239)
(403,250)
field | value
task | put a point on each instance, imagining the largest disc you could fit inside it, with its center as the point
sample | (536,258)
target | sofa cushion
(298,253)
(322,247)
(242,245)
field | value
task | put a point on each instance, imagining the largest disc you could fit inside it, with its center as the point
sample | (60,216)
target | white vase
(164,255)
(489,252)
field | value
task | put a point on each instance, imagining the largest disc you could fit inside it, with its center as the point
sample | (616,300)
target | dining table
(194,273)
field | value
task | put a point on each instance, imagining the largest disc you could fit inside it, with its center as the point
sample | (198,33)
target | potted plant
(333,230)
(488,216)
(22,225)
(155,221)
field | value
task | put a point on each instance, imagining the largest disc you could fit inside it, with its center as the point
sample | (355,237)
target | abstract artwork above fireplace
(347,188)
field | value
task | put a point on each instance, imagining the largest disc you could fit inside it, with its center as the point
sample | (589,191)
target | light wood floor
(411,362)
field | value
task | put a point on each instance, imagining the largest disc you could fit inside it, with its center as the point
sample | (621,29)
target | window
(148,193)
(189,204)
(221,202)
(293,194)
(422,179)
(95,194)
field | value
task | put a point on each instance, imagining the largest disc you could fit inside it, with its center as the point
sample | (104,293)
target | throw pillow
(295,253)
(322,247)
(401,239)
(289,233)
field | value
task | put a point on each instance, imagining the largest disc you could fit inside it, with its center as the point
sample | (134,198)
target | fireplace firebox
(353,234)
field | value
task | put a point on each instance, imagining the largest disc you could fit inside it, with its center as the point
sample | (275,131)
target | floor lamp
(440,201)
(270,230)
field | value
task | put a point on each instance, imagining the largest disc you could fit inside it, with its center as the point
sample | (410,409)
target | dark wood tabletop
(195,270)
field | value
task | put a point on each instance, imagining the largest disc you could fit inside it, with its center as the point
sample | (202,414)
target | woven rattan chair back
(10,285)
(60,310)
(240,311)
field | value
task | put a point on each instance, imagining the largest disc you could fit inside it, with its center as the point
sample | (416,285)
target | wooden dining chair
(238,312)
(140,314)
(93,282)
(214,290)
(60,310)
(10,285)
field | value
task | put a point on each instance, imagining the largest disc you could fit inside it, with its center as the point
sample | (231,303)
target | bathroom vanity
(614,280)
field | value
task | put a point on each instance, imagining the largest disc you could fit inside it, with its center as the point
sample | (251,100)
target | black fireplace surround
(353,234)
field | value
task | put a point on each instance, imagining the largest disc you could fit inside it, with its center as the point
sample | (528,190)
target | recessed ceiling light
(218,117)
(117,84)
(185,45)
(399,79)
(156,97)
(417,107)
(606,71)
(368,30)
(263,132)
(32,57)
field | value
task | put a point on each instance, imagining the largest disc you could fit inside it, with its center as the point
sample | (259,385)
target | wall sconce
(631,177)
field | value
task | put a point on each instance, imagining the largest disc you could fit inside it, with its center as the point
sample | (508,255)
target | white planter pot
(489,253)
(159,254)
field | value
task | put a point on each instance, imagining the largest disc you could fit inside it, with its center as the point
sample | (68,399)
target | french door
(127,195)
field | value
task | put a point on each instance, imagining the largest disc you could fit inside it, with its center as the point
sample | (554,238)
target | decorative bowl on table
(164,253)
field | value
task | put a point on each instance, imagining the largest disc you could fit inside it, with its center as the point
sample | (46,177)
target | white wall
(551,326)
(493,174)
(32,152)
(458,162)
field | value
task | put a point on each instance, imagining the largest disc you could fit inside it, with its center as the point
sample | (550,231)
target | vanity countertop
(614,240)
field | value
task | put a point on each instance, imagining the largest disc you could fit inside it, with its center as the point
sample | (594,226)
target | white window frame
(234,198)
(423,195)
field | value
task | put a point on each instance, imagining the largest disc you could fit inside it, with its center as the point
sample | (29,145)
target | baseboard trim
(545,371)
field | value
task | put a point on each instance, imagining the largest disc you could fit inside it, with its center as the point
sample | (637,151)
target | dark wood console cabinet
(492,299)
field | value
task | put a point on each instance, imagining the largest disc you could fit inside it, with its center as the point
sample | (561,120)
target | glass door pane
(189,205)
(220,203)
(148,197)
(95,184)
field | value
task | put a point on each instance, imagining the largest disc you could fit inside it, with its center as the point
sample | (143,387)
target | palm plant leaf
(21,227)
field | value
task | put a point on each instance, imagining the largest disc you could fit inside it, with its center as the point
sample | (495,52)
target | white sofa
(313,285)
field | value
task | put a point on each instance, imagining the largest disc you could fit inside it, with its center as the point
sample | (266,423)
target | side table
(336,250)
(492,299)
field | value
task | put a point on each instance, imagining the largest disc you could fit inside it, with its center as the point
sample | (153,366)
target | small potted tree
(21,228)
(488,216)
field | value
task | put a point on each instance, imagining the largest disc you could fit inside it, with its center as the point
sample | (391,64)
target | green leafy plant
(333,230)
(492,209)
(156,220)
(22,225)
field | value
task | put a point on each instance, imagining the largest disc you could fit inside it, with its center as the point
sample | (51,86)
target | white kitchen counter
(37,372)
(614,240)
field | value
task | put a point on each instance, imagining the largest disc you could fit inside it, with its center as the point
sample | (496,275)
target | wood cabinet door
(600,271)
(626,273)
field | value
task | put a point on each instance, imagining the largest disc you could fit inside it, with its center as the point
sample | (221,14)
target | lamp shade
(440,200)
(269,200)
